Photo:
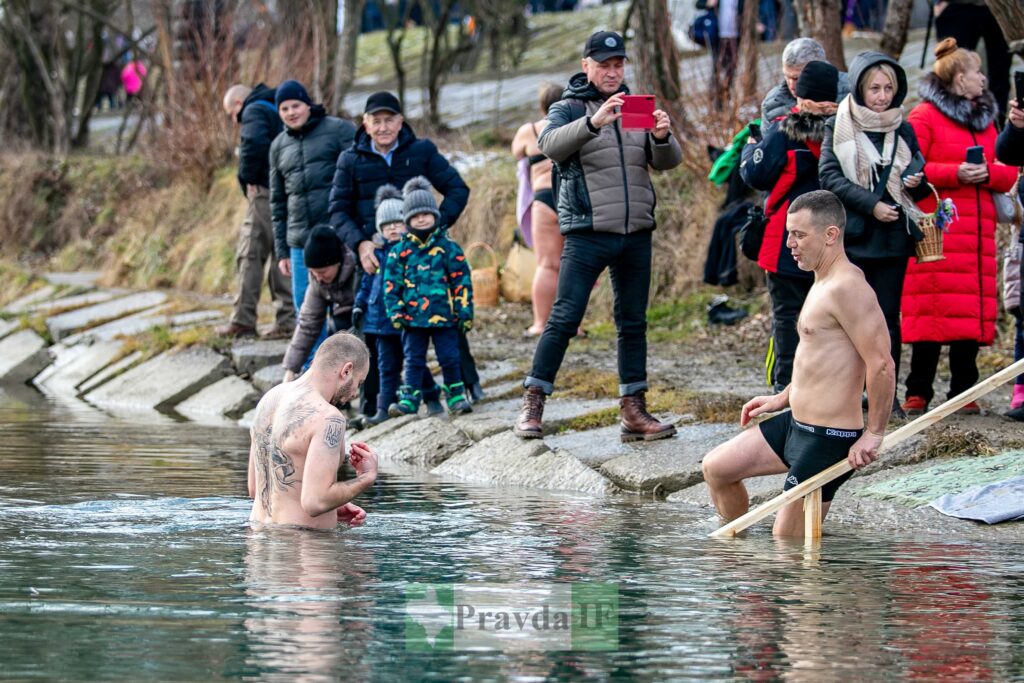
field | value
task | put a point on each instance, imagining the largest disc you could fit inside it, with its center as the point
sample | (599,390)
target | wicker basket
(485,278)
(930,248)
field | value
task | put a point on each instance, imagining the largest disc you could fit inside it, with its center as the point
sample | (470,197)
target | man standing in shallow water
(844,343)
(298,441)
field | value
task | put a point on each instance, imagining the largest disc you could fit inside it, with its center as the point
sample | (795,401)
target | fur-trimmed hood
(977,114)
(803,127)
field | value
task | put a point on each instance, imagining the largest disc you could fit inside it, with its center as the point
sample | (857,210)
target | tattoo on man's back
(333,432)
(276,467)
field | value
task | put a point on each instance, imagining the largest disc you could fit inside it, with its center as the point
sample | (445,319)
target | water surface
(125,555)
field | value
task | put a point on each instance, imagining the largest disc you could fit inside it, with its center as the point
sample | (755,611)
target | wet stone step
(23,355)
(109,372)
(249,356)
(267,378)
(162,382)
(65,324)
(92,359)
(228,397)
(505,459)
(426,442)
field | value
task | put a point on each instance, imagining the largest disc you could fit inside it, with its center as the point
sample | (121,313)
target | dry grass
(948,441)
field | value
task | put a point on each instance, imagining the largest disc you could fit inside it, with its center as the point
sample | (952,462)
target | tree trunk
(657,58)
(1010,16)
(750,51)
(345,58)
(823,21)
(897,22)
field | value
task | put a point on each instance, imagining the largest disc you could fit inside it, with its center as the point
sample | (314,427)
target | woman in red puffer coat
(954,301)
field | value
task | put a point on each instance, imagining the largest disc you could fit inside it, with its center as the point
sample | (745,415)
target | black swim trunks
(546,196)
(808,449)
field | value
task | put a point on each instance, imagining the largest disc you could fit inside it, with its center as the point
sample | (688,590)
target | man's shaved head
(341,348)
(826,209)
(235,97)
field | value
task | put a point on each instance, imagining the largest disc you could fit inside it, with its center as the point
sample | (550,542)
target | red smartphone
(637,112)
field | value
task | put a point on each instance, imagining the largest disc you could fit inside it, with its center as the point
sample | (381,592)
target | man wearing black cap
(386,151)
(606,212)
(785,164)
(332,288)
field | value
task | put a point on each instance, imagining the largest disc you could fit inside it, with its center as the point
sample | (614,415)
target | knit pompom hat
(418,197)
(388,202)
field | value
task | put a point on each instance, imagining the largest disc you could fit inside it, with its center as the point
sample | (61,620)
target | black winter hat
(818,82)
(323,248)
(291,90)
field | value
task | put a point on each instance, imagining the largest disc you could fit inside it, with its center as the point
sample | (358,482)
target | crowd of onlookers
(850,134)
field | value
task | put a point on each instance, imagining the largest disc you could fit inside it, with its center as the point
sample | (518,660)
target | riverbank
(152,356)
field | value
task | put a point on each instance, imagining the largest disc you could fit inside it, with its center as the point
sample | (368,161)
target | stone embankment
(90,354)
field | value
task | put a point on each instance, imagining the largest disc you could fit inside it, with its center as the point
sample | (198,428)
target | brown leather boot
(529,426)
(637,423)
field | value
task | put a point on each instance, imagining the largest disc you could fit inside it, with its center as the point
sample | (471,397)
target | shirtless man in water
(844,344)
(298,443)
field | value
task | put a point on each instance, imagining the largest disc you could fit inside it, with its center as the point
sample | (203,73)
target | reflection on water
(124,554)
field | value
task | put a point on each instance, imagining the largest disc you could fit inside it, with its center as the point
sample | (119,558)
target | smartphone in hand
(915,166)
(1018,87)
(637,112)
(975,155)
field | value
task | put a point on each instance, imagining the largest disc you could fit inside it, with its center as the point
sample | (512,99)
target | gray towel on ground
(1001,501)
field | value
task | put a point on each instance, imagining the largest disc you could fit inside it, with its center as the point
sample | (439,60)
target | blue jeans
(584,257)
(415,341)
(389,365)
(300,283)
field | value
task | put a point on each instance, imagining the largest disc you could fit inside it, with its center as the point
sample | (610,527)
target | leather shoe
(637,423)
(529,424)
(234,331)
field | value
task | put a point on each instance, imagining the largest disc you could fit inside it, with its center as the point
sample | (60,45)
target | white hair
(802,51)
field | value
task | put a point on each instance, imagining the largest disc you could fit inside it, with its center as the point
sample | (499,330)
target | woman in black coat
(869,159)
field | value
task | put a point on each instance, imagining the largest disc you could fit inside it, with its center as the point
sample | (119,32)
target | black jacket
(301,167)
(260,125)
(866,237)
(360,171)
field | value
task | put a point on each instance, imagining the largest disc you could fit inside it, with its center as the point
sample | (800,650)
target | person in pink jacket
(132,76)
(953,302)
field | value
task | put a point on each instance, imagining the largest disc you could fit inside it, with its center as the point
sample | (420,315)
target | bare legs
(547,245)
(748,455)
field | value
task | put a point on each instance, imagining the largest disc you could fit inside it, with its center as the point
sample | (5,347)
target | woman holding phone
(871,160)
(953,302)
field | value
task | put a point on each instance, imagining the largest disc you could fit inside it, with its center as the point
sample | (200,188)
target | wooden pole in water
(840,468)
(812,516)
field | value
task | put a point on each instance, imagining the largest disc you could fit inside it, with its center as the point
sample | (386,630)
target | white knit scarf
(860,159)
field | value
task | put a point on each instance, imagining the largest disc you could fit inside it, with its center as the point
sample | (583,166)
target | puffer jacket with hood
(260,125)
(785,165)
(866,237)
(427,282)
(604,182)
(361,171)
(334,298)
(955,299)
(301,170)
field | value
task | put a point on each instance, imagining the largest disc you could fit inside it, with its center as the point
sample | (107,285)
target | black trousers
(886,276)
(969,24)
(584,257)
(788,294)
(924,361)
(467,364)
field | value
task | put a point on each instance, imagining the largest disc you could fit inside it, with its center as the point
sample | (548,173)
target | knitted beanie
(418,197)
(818,82)
(291,90)
(389,205)
(323,248)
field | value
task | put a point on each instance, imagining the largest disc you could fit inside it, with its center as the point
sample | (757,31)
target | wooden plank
(812,516)
(840,468)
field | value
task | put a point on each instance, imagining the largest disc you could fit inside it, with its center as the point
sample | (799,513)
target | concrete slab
(130,325)
(479,427)
(267,378)
(23,355)
(70,303)
(250,356)
(84,279)
(759,489)
(504,459)
(60,356)
(65,324)
(92,359)
(8,326)
(426,442)
(184,321)
(21,304)
(110,372)
(162,382)
(228,397)
(556,412)
(373,435)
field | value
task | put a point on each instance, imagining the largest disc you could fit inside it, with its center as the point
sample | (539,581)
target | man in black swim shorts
(843,346)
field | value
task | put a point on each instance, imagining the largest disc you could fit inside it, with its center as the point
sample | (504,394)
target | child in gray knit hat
(370,314)
(429,296)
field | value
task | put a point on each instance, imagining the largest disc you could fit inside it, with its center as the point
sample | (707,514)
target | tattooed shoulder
(297,415)
(334,431)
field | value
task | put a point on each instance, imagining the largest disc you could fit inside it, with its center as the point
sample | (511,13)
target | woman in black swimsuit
(547,240)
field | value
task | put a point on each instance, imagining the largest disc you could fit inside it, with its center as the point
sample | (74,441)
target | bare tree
(822,20)
(657,58)
(441,50)
(345,57)
(897,22)
(1010,16)
(750,51)
(396,24)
